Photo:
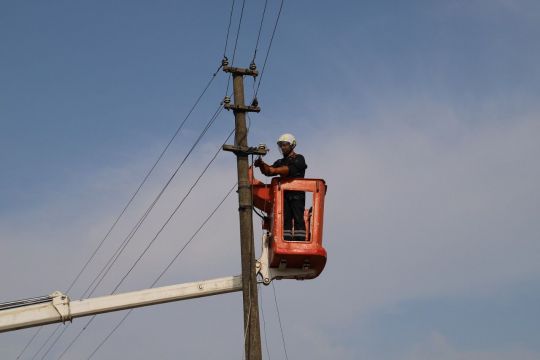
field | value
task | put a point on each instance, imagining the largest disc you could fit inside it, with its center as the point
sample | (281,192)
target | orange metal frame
(293,254)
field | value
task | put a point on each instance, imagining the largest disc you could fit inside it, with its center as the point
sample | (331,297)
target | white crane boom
(59,308)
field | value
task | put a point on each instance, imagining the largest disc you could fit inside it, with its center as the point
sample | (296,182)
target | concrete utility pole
(242,151)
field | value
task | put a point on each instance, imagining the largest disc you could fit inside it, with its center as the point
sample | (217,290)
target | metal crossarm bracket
(245,150)
(242,108)
(240,71)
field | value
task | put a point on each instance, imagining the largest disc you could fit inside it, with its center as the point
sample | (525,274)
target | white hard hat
(287,138)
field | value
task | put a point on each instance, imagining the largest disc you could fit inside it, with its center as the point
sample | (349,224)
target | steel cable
(105,270)
(228,29)
(165,269)
(145,178)
(167,221)
(279,320)
(158,232)
(100,244)
(264,322)
(29,342)
(259,34)
(45,343)
(127,240)
(269,47)
(55,341)
(235,44)
(154,202)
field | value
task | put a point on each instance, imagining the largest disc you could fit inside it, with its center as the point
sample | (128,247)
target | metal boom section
(59,308)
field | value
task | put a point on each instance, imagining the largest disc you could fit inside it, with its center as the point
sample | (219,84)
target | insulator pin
(225,61)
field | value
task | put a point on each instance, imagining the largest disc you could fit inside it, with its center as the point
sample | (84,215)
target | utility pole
(242,152)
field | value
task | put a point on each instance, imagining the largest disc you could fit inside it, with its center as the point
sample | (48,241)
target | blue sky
(422,116)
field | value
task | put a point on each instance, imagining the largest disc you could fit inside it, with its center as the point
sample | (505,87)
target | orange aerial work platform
(290,259)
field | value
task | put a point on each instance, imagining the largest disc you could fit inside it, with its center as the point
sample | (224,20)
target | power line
(147,175)
(121,248)
(279,320)
(259,34)
(166,268)
(244,357)
(264,323)
(92,256)
(228,29)
(77,337)
(112,260)
(55,341)
(158,232)
(269,47)
(154,202)
(238,30)
(193,236)
(235,42)
(45,343)
(29,342)
(112,332)
(167,221)
(161,155)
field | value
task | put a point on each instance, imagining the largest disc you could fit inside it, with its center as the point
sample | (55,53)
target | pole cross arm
(61,309)
(242,108)
(240,71)
(246,150)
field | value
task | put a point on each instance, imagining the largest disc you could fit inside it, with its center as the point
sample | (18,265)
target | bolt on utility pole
(242,152)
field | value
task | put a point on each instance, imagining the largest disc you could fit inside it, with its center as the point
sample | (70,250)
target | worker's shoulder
(298,158)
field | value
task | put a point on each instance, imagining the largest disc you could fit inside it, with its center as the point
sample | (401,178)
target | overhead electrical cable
(45,343)
(264,322)
(228,29)
(100,244)
(235,44)
(280,325)
(76,337)
(29,342)
(137,226)
(238,30)
(166,222)
(260,29)
(55,341)
(156,199)
(112,260)
(122,246)
(173,260)
(165,269)
(146,177)
(158,232)
(269,47)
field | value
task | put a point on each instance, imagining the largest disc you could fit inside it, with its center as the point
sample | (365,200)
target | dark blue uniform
(294,227)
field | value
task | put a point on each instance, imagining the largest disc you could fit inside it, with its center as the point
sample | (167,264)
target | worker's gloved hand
(258,162)
(266,169)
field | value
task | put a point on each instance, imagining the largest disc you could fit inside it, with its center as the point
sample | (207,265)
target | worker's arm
(271,170)
(282,170)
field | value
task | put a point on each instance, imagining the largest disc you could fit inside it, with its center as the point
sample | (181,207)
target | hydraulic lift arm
(59,308)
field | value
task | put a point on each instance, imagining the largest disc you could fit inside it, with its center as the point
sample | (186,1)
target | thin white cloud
(414,210)
(437,346)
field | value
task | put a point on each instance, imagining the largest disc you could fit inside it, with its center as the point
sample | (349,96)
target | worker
(292,165)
